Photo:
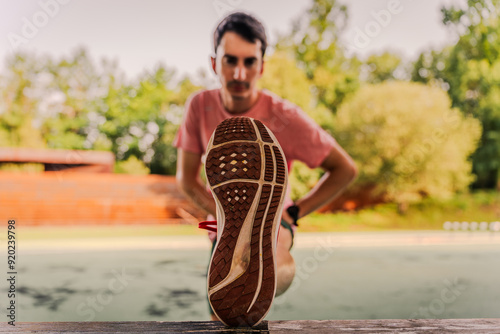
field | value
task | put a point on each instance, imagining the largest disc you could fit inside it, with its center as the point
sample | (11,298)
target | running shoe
(247,174)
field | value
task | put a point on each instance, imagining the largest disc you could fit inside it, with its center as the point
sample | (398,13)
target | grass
(428,214)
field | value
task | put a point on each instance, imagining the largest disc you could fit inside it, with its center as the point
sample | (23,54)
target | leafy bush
(132,166)
(407,141)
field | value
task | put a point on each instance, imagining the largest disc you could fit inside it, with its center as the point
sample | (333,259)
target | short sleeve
(188,136)
(307,141)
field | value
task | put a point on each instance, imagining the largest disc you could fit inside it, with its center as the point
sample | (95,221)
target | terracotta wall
(66,198)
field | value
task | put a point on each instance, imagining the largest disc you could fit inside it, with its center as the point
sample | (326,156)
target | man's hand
(340,172)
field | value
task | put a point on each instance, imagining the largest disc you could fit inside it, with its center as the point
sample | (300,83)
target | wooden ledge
(476,326)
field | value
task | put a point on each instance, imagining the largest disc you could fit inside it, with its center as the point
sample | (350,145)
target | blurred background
(92,94)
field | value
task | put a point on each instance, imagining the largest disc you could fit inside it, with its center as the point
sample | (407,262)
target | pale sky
(141,33)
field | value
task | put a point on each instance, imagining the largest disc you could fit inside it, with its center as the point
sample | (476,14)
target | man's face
(238,65)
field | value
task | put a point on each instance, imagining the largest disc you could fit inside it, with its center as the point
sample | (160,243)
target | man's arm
(188,180)
(340,172)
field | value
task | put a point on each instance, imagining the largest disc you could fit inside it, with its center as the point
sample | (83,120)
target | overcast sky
(141,33)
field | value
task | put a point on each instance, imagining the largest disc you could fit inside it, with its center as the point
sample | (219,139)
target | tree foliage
(314,42)
(382,67)
(406,138)
(470,71)
(17,106)
(407,141)
(295,88)
(74,103)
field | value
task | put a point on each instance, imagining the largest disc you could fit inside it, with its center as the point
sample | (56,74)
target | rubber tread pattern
(233,301)
(233,161)
(235,128)
(226,162)
(269,171)
(280,166)
(236,199)
(263,302)
(263,132)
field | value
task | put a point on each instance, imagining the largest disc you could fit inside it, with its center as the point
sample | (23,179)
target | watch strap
(293,211)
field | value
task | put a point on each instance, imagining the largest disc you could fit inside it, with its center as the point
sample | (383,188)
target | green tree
(18,104)
(72,87)
(75,103)
(132,166)
(382,67)
(407,141)
(284,78)
(295,88)
(470,71)
(314,42)
(134,116)
(141,119)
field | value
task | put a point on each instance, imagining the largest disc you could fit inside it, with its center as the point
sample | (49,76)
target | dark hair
(244,25)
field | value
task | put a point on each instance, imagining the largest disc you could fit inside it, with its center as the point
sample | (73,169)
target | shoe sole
(247,174)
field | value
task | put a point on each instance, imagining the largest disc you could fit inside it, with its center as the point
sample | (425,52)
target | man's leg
(213,317)
(285,261)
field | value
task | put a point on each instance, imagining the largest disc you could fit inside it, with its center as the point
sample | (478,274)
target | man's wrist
(293,212)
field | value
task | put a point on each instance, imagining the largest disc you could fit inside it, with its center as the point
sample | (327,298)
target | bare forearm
(329,187)
(199,195)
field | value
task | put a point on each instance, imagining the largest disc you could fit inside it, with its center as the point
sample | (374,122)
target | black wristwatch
(293,211)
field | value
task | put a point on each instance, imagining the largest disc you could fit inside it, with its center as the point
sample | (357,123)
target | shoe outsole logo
(247,174)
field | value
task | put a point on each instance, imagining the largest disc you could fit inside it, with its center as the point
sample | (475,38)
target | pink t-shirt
(299,136)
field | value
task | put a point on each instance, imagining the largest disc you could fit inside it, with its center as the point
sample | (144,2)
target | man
(239,44)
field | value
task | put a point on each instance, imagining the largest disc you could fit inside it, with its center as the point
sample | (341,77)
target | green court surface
(339,276)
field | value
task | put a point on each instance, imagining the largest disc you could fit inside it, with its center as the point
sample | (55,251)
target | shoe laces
(210,225)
